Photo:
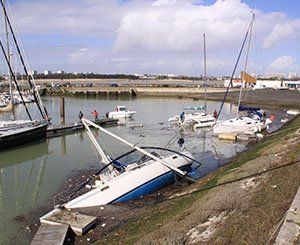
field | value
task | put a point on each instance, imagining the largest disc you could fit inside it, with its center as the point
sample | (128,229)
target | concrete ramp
(79,223)
(51,235)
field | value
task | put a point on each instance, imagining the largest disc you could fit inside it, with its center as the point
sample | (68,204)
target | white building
(236,83)
(46,73)
(60,72)
(291,84)
(275,84)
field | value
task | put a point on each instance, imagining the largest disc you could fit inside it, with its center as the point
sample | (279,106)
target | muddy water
(31,175)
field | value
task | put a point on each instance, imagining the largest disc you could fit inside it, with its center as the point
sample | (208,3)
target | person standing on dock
(95,114)
(215,115)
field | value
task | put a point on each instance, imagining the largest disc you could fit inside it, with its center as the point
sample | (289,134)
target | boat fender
(272,117)
(180,142)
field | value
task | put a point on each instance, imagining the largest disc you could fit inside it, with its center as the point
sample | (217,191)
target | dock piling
(62,110)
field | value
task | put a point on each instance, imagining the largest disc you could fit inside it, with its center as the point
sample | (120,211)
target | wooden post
(62,110)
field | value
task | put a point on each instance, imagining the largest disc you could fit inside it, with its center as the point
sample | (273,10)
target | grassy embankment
(242,202)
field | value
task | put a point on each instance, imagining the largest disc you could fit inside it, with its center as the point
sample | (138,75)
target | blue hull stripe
(151,186)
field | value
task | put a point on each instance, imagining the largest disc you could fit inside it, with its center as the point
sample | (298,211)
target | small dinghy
(120,182)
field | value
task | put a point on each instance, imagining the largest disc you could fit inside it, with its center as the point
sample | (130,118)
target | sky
(158,36)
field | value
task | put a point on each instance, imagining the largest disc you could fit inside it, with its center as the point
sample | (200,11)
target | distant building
(275,84)
(292,84)
(33,73)
(292,75)
(171,75)
(46,73)
(236,83)
(60,72)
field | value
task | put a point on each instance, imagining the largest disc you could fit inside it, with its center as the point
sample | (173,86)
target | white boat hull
(121,114)
(192,119)
(205,121)
(241,125)
(132,183)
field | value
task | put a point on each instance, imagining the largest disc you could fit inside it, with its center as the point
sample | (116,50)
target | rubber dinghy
(117,182)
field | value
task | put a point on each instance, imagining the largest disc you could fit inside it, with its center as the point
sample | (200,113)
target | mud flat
(242,202)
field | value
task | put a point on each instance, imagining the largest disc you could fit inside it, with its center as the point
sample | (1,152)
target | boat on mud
(118,181)
(249,120)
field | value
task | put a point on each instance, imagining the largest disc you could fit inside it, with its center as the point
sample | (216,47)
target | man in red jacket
(95,114)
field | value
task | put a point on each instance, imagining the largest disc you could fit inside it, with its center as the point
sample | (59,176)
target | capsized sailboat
(119,182)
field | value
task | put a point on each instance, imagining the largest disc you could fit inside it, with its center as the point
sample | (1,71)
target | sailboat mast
(29,78)
(8,53)
(246,61)
(205,75)
(234,69)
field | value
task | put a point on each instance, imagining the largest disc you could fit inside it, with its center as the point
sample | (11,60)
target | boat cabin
(121,108)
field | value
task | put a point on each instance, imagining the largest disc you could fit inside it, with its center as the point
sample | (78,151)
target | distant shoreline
(266,98)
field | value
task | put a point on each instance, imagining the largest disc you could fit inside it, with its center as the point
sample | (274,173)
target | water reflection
(39,179)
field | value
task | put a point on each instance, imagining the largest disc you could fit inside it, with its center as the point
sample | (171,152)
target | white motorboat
(121,112)
(123,182)
(205,121)
(187,118)
(196,119)
(293,112)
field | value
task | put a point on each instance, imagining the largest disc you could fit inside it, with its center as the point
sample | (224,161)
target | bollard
(62,110)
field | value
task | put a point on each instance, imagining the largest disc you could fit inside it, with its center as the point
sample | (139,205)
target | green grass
(149,222)
(178,208)
(255,151)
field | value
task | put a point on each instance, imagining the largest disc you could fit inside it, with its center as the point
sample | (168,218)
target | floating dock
(58,130)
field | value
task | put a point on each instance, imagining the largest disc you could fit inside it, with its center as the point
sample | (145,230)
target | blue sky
(157,36)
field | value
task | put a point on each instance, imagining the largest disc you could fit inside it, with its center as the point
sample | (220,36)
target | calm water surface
(31,175)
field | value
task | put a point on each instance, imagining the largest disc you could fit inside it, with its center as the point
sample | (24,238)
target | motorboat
(187,119)
(121,112)
(205,121)
(120,182)
(294,112)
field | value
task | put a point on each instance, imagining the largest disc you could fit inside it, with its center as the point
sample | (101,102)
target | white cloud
(280,32)
(284,64)
(148,35)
